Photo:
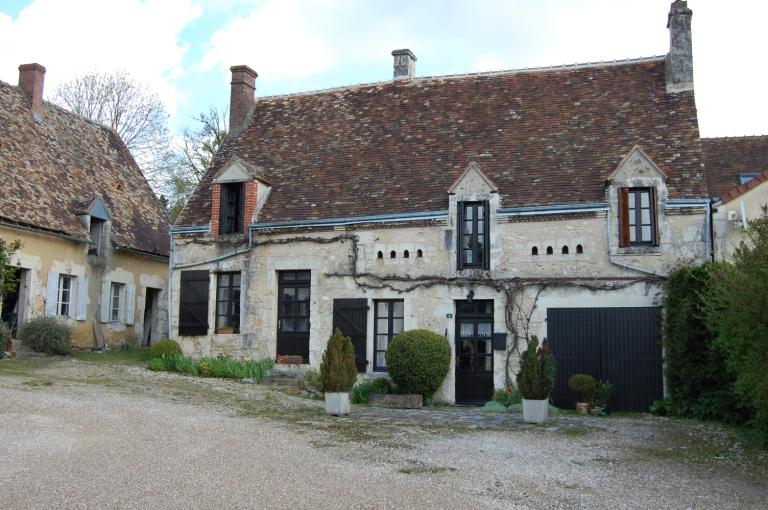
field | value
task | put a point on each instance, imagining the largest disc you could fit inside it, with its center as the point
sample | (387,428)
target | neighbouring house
(737,171)
(94,236)
(487,207)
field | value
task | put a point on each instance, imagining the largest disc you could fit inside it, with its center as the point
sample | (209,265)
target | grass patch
(420,468)
(576,431)
(129,357)
(37,383)
(221,367)
(16,367)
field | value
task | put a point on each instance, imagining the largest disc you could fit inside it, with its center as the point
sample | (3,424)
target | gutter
(330,222)
(556,209)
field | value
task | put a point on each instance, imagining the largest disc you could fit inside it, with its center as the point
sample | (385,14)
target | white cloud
(278,38)
(79,36)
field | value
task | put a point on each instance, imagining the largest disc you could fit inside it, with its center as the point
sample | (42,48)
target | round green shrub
(5,336)
(418,360)
(338,371)
(584,385)
(165,348)
(46,334)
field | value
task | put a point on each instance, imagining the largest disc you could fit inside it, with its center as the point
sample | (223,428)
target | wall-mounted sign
(449,316)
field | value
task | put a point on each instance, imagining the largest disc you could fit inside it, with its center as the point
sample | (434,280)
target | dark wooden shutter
(459,235)
(623,217)
(486,235)
(351,317)
(193,303)
(654,217)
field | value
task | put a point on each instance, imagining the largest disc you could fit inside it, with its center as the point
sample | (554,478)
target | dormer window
(97,228)
(637,216)
(232,208)
(473,235)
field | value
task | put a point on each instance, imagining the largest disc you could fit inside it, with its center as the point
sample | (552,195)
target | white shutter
(130,303)
(82,298)
(52,294)
(105,300)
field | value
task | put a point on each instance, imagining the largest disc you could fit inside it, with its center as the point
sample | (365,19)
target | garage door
(620,345)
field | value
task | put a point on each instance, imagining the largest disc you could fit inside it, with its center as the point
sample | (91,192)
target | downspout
(710,233)
(624,264)
(170,280)
(219,258)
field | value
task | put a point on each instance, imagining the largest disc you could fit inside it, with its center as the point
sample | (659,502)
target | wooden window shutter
(459,235)
(623,217)
(52,294)
(486,235)
(654,217)
(193,303)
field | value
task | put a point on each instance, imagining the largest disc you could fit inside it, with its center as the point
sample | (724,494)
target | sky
(182,49)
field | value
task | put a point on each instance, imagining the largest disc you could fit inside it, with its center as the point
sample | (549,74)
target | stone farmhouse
(94,236)
(487,207)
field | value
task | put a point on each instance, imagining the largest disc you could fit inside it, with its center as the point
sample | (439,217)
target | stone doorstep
(396,401)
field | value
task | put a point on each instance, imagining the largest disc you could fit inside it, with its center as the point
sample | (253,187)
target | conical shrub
(338,372)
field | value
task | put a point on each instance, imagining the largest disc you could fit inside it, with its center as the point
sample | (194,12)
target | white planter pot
(337,404)
(535,411)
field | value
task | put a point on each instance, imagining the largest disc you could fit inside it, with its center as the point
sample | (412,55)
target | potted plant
(602,400)
(338,373)
(536,380)
(585,386)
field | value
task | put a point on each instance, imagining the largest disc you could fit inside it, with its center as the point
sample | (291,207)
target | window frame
(478,253)
(236,208)
(96,230)
(391,317)
(232,311)
(633,211)
(116,293)
(60,303)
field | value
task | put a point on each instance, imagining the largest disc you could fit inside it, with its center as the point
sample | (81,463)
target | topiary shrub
(46,334)
(338,372)
(165,348)
(585,385)
(5,337)
(418,360)
(536,378)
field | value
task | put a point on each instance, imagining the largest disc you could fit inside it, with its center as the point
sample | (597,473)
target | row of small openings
(406,254)
(564,250)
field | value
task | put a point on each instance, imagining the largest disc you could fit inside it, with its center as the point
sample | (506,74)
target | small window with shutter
(193,303)
(637,217)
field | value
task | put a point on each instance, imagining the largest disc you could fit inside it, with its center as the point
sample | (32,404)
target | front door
(474,351)
(293,314)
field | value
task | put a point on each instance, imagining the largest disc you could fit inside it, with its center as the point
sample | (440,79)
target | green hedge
(225,368)
(418,360)
(165,347)
(46,334)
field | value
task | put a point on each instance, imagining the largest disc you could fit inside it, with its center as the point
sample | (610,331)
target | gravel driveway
(76,434)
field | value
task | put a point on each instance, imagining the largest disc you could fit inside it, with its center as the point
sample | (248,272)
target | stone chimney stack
(242,96)
(31,77)
(405,64)
(679,66)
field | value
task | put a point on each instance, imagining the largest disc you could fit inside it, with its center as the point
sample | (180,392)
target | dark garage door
(620,345)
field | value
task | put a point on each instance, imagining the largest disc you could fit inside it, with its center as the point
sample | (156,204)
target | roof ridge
(521,70)
(736,137)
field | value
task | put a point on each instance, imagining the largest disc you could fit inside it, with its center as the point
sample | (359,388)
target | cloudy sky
(183,48)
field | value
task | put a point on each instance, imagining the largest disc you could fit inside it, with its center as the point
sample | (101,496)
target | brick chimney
(242,96)
(679,65)
(31,78)
(405,64)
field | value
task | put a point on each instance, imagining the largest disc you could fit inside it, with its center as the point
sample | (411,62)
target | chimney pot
(404,65)
(31,77)
(679,63)
(242,96)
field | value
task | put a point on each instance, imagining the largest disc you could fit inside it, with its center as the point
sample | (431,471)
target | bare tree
(137,114)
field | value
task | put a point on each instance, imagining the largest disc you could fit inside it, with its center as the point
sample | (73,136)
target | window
(419,253)
(473,235)
(406,254)
(535,250)
(579,249)
(745,178)
(193,303)
(231,208)
(97,228)
(637,216)
(228,303)
(64,301)
(388,322)
(550,251)
(564,251)
(392,254)
(114,301)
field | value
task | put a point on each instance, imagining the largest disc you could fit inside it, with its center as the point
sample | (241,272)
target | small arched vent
(380,255)
(406,254)
(565,250)
(579,249)
(550,251)
(535,250)
(392,254)
(419,253)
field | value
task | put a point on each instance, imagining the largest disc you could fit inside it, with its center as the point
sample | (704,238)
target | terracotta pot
(225,331)
(582,407)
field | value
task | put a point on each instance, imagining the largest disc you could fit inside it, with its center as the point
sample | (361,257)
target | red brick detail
(215,209)
(249,203)
(31,79)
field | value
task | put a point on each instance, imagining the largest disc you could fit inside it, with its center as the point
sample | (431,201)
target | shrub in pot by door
(536,380)
(338,373)
(585,386)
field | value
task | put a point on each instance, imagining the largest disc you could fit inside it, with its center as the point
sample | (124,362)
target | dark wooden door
(619,345)
(351,317)
(293,314)
(474,352)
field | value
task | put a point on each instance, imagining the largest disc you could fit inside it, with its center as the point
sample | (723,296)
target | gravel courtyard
(83,434)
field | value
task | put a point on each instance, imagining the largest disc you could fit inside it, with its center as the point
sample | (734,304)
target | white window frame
(63,293)
(116,293)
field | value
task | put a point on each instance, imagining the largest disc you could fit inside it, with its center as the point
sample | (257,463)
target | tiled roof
(50,171)
(548,136)
(739,190)
(726,158)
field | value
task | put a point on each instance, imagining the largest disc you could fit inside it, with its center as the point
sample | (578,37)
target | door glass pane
(303,276)
(397,326)
(467,346)
(484,346)
(236,279)
(221,308)
(647,233)
(303,309)
(381,360)
(467,241)
(644,199)
(288,325)
(381,343)
(289,294)
(467,330)
(222,294)
(488,365)
(465,363)
(468,257)
(645,216)
(397,309)
(302,325)
(289,276)
(632,235)
(484,329)
(382,326)
(382,309)
(468,212)
(302,294)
